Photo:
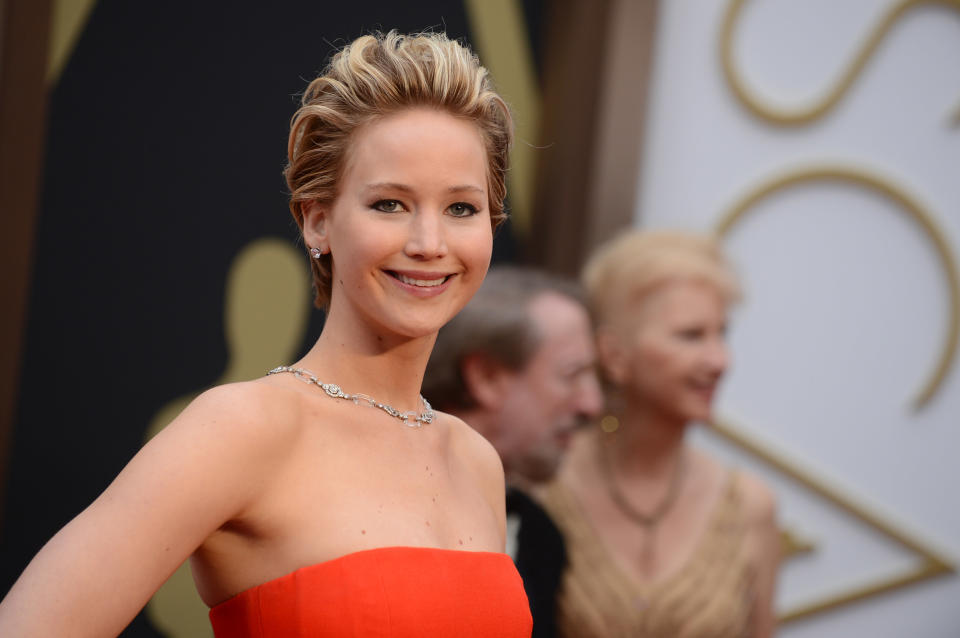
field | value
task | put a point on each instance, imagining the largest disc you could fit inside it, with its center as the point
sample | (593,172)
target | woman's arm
(95,575)
(764,544)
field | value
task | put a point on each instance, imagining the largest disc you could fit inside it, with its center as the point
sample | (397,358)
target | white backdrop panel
(846,305)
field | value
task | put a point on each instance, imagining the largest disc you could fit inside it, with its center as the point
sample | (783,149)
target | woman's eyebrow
(407,189)
(388,186)
(466,187)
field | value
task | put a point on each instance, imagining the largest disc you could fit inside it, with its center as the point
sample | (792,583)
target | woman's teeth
(426,283)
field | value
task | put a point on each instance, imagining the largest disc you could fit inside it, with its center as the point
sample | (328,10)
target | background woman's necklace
(411,419)
(649,521)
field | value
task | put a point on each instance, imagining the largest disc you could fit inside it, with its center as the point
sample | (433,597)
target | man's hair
(496,324)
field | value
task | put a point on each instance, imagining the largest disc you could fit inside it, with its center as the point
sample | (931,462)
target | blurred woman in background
(663,540)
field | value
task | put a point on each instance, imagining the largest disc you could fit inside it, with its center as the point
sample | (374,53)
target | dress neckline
(356,554)
(608,555)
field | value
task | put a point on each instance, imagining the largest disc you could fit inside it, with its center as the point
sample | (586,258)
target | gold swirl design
(916,213)
(804,115)
(931,563)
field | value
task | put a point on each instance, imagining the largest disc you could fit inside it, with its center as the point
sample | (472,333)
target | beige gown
(710,596)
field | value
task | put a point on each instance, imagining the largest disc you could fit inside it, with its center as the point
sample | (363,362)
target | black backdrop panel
(166,141)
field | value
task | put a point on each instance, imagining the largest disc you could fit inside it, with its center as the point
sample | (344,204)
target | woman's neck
(358,358)
(647,442)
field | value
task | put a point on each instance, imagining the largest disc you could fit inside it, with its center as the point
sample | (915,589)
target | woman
(662,539)
(306,505)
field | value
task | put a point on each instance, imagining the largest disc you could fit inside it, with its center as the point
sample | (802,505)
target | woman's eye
(388,206)
(691,334)
(462,209)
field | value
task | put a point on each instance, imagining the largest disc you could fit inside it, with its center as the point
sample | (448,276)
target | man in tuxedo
(518,365)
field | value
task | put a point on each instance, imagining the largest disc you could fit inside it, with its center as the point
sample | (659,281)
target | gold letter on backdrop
(799,116)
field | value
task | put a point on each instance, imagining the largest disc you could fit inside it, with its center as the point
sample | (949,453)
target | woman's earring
(315,253)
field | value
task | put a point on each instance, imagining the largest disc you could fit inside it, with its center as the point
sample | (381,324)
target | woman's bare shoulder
(474,451)
(472,444)
(759,501)
(248,417)
(256,415)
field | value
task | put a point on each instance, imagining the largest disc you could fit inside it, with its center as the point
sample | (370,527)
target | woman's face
(672,357)
(409,232)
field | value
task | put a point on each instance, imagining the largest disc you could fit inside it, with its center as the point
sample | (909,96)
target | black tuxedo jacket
(540,557)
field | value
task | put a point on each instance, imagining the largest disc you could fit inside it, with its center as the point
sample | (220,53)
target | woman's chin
(701,415)
(696,410)
(417,329)
(402,323)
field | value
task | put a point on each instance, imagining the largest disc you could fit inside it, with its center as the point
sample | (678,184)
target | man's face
(556,392)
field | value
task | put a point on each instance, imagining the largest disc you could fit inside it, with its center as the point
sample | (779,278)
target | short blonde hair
(633,265)
(374,76)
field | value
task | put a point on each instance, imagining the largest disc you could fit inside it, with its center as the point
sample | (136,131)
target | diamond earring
(315,253)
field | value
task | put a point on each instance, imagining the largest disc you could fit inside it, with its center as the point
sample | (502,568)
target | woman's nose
(718,355)
(425,238)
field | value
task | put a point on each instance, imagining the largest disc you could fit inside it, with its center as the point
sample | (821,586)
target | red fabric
(391,591)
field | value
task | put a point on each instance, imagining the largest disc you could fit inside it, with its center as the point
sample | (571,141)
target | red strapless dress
(390,592)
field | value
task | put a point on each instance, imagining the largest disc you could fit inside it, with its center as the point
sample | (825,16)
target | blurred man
(517,364)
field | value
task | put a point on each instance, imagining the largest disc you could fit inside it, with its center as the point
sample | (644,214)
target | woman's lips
(704,390)
(421,283)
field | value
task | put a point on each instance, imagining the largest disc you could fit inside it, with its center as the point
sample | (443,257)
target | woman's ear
(611,355)
(315,225)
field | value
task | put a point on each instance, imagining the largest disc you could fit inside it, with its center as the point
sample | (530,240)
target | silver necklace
(410,419)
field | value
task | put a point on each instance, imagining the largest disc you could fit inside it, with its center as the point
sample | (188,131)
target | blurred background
(148,252)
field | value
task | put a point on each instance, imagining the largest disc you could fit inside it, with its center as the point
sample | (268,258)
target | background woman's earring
(315,253)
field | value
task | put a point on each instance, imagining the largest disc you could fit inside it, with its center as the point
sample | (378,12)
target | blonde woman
(663,540)
(328,498)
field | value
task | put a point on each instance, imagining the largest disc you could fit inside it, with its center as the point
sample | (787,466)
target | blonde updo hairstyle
(622,272)
(378,75)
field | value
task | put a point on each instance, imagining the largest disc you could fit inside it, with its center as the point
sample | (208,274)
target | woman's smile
(421,284)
